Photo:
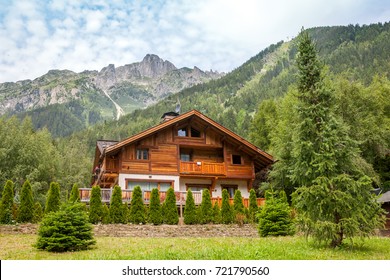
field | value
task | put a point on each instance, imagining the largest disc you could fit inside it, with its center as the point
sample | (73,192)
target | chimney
(168,116)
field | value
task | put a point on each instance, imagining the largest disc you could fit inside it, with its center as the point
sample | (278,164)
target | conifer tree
(117,208)
(171,217)
(6,204)
(137,207)
(38,213)
(26,207)
(333,199)
(238,206)
(95,205)
(155,212)
(75,194)
(216,214)
(253,208)
(206,208)
(190,216)
(105,214)
(53,198)
(226,209)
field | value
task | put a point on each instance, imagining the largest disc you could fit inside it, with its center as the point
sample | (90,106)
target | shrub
(26,207)
(7,202)
(216,214)
(75,194)
(275,216)
(226,209)
(95,205)
(117,208)
(65,230)
(53,198)
(38,213)
(171,217)
(137,208)
(155,213)
(105,214)
(253,208)
(206,211)
(190,216)
(238,208)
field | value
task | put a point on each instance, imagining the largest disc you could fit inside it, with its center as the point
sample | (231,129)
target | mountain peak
(153,66)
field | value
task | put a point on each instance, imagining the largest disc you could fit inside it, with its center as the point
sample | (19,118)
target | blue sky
(37,35)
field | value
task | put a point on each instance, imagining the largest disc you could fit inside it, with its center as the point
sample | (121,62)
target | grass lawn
(19,247)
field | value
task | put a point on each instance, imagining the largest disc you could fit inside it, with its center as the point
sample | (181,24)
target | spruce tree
(95,205)
(333,199)
(137,207)
(6,204)
(75,194)
(26,207)
(155,212)
(117,208)
(275,216)
(206,208)
(65,230)
(171,217)
(253,208)
(226,209)
(53,198)
(190,216)
(38,213)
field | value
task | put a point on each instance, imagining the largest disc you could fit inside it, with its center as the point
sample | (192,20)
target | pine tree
(171,217)
(53,198)
(253,208)
(190,216)
(206,208)
(6,204)
(75,194)
(275,217)
(137,208)
(155,212)
(333,198)
(26,208)
(95,205)
(65,230)
(117,208)
(226,209)
(38,213)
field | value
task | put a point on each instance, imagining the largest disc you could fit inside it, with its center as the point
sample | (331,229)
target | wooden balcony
(181,196)
(202,168)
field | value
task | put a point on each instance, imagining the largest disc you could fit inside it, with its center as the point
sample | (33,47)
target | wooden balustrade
(201,167)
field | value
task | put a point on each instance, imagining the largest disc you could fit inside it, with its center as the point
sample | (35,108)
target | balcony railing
(202,168)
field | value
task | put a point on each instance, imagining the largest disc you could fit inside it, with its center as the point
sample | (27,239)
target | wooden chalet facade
(188,151)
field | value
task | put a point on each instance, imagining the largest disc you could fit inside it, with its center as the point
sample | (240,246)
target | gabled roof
(266,158)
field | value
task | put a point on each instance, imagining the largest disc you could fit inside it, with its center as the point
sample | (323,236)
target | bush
(105,214)
(216,214)
(75,194)
(53,198)
(38,213)
(137,208)
(26,208)
(171,217)
(65,230)
(155,212)
(117,208)
(206,208)
(275,216)
(226,209)
(7,203)
(238,208)
(190,217)
(253,208)
(95,205)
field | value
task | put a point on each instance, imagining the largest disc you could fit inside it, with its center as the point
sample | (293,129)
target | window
(149,185)
(195,133)
(182,132)
(230,188)
(185,155)
(189,132)
(197,187)
(143,154)
(236,159)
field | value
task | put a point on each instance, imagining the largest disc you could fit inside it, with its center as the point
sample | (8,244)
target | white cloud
(77,35)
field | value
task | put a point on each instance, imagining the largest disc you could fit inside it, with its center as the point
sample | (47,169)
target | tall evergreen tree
(190,217)
(75,194)
(155,213)
(333,198)
(117,208)
(38,213)
(171,217)
(253,208)
(6,204)
(95,205)
(26,207)
(137,208)
(206,208)
(53,198)
(226,209)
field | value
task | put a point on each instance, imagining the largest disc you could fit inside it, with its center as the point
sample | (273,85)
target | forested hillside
(253,101)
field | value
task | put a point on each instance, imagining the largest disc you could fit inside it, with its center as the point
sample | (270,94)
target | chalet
(187,151)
